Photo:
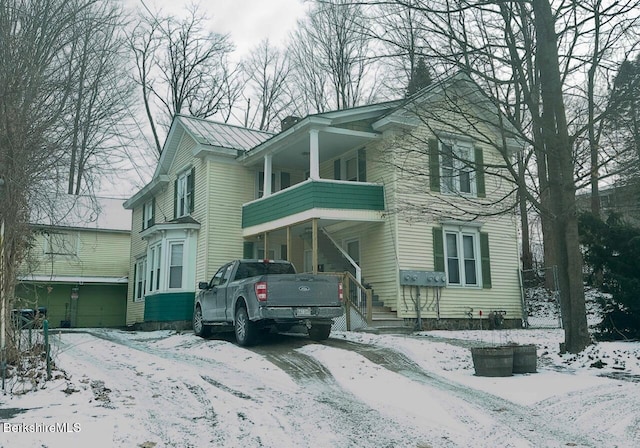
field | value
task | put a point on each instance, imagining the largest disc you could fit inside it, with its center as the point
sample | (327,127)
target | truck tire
(319,332)
(246,331)
(199,328)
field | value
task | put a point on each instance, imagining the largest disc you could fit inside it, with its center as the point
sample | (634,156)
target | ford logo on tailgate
(304,288)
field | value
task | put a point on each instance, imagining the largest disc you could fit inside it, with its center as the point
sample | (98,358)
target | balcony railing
(314,194)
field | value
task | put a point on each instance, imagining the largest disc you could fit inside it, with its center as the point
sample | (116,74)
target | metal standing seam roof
(224,135)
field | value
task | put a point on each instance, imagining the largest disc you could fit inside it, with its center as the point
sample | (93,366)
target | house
(78,264)
(623,199)
(376,191)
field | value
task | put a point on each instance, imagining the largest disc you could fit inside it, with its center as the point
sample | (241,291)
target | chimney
(289,121)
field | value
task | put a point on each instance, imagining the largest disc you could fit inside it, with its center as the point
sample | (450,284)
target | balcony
(323,198)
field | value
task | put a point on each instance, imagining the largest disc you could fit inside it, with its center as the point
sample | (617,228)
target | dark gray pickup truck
(249,296)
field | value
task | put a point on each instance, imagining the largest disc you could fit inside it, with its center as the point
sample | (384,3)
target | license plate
(299,312)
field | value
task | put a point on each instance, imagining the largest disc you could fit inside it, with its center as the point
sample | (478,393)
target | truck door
(210,299)
(222,292)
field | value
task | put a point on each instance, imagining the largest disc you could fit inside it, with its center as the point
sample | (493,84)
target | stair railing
(356,297)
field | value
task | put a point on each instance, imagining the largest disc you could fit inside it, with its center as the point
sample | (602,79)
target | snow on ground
(157,389)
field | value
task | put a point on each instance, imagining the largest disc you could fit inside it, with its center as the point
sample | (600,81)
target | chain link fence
(541,298)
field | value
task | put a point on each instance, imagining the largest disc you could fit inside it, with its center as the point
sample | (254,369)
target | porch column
(314,155)
(267,175)
(314,245)
(265,245)
(289,243)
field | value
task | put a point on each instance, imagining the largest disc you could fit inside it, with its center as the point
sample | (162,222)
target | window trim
(458,166)
(74,244)
(460,232)
(148,214)
(154,267)
(184,191)
(280,180)
(140,267)
(359,157)
(170,244)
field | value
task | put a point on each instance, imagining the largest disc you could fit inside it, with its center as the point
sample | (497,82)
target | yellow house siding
(135,310)
(98,254)
(230,186)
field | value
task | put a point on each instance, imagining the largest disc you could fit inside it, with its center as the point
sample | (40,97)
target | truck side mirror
(203,285)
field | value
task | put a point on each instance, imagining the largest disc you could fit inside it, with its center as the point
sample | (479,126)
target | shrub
(612,252)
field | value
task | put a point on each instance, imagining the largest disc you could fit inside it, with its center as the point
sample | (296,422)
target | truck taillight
(340,294)
(261,291)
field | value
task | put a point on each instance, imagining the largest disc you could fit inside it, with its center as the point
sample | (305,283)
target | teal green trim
(167,307)
(434,165)
(480,187)
(310,195)
(438,249)
(485,260)
(247,249)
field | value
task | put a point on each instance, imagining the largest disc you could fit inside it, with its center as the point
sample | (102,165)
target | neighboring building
(331,192)
(78,264)
(621,199)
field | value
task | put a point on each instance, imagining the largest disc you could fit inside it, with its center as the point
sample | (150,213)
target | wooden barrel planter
(493,361)
(525,358)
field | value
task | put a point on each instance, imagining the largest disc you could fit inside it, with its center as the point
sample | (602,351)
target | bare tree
(39,37)
(267,70)
(529,59)
(400,31)
(100,96)
(331,55)
(182,67)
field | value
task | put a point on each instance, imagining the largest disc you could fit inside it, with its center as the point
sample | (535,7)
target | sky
(246,21)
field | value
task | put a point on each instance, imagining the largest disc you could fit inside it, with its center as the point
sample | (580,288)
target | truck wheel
(246,331)
(319,332)
(199,328)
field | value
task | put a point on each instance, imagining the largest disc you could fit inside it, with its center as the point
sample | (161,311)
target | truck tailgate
(302,290)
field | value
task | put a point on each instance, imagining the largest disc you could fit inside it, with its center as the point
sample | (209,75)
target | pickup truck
(252,296)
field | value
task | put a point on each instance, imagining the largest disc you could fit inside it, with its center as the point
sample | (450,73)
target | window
(261,254)
(155,253)
(353,250)
(463,254)
(352,167)
(279,181)
(140,279)
(184,193)
(148,214)
(61,243)
(176,251)
(456,167)
(222,276)
(460,253)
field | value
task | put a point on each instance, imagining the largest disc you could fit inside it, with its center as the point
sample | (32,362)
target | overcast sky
(247,21)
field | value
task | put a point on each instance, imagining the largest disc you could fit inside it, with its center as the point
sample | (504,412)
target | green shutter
(434,165)
(484,259)
(480,187)
(175,198)
(362,165)
(285,180)
(135,279)
(336,169)
(143,213)
(438,249)
(192,189)
(247,249)
(153,211)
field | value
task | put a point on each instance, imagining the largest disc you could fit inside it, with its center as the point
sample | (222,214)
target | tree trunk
(561,182)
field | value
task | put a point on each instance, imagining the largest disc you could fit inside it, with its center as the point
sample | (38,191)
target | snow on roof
(87,212)
(223,135)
